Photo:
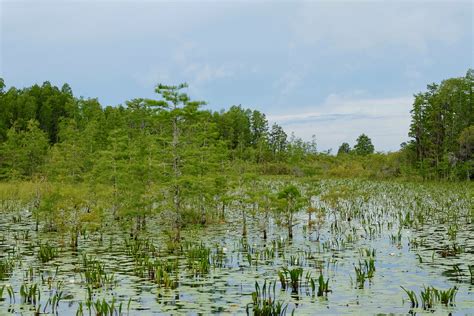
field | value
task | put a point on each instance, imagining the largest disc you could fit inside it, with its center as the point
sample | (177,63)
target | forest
(178,194)
(46,132)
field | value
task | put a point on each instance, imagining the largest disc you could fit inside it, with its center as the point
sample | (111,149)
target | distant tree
(24,151)
(259,128)
(439,115)
(466,150)
(234,127)
(278,140)
(344,149)
(363,146)
(46,103)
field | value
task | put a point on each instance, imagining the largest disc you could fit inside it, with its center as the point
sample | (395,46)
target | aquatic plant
(447,297)
(30,294)
(11,294)
(264,303)
(95,274)
(412,297)
(6,267)
(323,287)
(47,252)
(361,276)
(397,238)
(366,252)
(137,247)
(102,308)
(430,296)
(291,277)
(365,270)
(218,257)
(249,258)
(54,299)
(198,259)
(370,267)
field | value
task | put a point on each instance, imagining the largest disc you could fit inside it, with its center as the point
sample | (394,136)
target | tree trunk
(244,223)
(290,224)
(176,197)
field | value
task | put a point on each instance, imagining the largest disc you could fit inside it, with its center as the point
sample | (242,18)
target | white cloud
(289,81)
(342,118)
(204,72)
(369,26)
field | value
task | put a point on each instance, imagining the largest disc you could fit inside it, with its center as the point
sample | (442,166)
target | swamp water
(415,237)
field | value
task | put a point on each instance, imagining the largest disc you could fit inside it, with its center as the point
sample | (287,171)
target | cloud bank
(341,119)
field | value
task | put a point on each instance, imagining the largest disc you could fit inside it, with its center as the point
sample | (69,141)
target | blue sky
(329,68)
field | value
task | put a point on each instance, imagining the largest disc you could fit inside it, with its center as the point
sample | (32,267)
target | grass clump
(47,252)
(264,301)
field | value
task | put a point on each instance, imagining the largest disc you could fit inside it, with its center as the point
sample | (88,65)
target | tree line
(45,131)
(46,127)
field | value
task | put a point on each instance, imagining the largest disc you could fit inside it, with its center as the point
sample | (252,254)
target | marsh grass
(47,252)
(264,301)
(323,287)
(6,267)
(412,297)
(95,274)
(430,296)
(198,259)
(2,289)
(30,293)
(291,277)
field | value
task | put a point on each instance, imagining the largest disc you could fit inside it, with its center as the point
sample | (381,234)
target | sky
(333,69)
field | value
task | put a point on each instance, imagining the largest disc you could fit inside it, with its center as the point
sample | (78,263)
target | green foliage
(363,146)
(24,151)
(441,123)
(345,148)
(46,103)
